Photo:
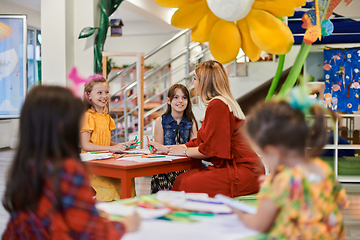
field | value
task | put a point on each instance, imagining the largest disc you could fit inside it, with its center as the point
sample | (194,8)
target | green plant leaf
(86,32)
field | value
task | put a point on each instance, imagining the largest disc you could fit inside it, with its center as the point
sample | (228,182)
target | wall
(139,37)
(258,73)
(9,128)
(33,17)
(314,66)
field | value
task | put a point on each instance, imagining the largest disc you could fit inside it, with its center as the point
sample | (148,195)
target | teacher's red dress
(236,167)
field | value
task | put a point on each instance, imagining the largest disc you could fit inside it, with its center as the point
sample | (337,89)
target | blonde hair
(93,80)
(214,84)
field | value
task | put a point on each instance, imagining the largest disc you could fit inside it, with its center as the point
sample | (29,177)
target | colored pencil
(148,143)
(100,152)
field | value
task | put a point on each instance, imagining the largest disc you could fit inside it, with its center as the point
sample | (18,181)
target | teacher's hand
(176,150)
(158,148)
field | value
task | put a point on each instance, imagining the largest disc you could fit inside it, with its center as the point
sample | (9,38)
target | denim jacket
(169,125)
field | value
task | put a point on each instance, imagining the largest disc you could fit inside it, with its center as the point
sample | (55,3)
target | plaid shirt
(79,219)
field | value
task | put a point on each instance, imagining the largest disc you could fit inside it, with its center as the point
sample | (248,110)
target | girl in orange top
(96,135)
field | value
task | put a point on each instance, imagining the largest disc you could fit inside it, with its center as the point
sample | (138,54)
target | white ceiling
(32,4)
(122,13)
(127,16)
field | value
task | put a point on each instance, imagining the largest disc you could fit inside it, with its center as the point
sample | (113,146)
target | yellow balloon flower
(229,25)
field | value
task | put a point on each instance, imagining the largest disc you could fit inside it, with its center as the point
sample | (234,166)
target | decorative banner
(342,79)
(12,64)
(312,19)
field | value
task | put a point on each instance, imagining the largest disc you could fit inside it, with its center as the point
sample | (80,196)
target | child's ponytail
(317,131)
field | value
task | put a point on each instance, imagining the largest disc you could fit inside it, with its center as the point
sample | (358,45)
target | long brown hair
(278,124)
(214,83)
(188,110)
(49,133)
(94,79)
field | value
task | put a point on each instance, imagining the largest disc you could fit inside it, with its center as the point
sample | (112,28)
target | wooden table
(127,170)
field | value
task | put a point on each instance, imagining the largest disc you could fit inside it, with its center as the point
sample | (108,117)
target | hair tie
(299,99)
(95,77)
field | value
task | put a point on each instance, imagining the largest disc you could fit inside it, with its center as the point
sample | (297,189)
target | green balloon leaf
(296,69)
(276,79)
(87,32)
(107,7)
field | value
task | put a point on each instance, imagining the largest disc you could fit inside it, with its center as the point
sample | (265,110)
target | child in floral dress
(301,198)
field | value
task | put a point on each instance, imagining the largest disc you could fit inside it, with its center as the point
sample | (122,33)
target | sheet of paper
(141,159)
(116,209)
(205,207)
(227,227)
(236,204)
(135,151)
(152,159)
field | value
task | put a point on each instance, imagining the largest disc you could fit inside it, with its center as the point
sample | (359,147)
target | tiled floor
(351,215)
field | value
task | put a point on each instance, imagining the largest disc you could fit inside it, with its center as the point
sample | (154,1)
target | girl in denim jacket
(176,126)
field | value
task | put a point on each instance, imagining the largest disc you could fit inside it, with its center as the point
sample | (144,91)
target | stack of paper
(119,209)
(197,202)
(93,156)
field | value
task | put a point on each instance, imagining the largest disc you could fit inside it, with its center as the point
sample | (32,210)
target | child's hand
(158,148)
(129,143)
(177,150)
(261,180)
(120,147)
(239,213)
(132,222)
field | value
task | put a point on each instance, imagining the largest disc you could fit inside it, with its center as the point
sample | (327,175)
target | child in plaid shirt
(48,192)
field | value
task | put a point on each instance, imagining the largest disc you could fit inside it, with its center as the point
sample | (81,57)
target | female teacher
(236,167)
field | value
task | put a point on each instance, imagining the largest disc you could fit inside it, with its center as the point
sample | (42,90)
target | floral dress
(100,126)
(308,207)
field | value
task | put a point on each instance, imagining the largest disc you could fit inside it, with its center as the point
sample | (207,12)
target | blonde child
(96,135)
(176,126)
(48,194)
(301,198)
